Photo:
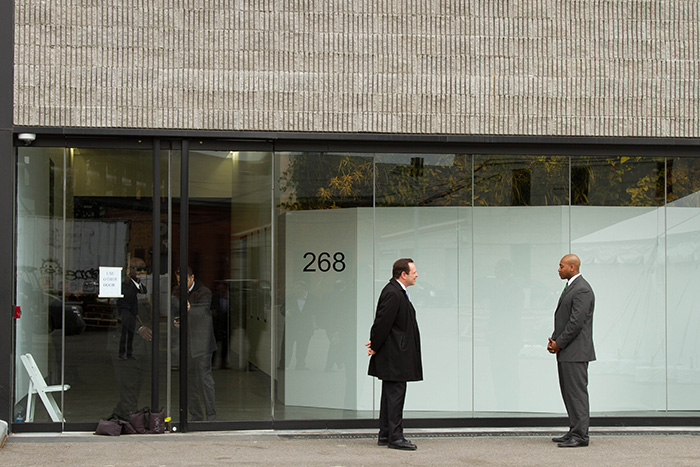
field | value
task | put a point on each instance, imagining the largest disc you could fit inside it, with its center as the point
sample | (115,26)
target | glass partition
(109,224)
(324,284)
(230,336)
(521,230)
(422,212)
(98,344)
(618,231)
(39,277)
(682,293)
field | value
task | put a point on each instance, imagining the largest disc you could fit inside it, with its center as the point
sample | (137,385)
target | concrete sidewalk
(513,447)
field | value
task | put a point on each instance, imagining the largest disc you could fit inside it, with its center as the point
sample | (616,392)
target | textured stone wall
(495,67)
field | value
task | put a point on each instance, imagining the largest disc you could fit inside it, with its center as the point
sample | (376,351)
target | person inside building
(132,362)
(201,345)
(220,305)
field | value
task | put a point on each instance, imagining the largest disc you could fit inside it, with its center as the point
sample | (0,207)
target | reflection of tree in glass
(543,181)
(521,180)
(328,181)
(430,180)
(331,181)
(617,181)
(683,179)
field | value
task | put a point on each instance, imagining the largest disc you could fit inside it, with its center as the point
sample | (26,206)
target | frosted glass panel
(622,255)
(516,287)
(683,299)
(430,236)
(324,260)
(321,310)
(683,294)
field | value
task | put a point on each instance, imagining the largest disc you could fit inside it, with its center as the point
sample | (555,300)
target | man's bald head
(569,266)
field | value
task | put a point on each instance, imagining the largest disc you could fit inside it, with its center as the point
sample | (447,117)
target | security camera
(27,138)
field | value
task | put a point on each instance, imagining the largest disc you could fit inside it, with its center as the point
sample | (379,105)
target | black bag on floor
(156,422)
(108,428)
(139,421)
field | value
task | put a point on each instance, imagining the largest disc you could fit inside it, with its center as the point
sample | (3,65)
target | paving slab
(622,447)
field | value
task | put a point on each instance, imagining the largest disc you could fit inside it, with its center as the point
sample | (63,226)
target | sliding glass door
(85,216)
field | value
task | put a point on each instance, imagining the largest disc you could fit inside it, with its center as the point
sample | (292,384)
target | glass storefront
(230,254)
(288,251)
(79,210)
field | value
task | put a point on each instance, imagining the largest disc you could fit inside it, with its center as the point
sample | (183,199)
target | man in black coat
(128,308)
(394,347)
(572,342)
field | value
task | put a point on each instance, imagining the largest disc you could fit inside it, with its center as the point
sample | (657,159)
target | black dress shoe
(382,441)
(573,443)
(403,444)
(562,439)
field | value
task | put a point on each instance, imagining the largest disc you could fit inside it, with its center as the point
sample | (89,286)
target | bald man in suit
(572,342)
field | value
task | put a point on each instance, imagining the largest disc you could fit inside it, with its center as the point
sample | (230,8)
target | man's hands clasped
(552,346)
(370,352)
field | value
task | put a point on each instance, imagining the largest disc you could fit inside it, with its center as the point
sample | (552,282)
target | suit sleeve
(387,309)
(580,313)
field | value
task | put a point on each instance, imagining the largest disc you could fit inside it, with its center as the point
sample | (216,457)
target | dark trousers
(391,410)
(573,381)
(126,339)
(129,376)
(201,382)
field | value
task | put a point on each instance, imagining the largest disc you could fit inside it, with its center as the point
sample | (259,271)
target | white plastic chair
(37,385)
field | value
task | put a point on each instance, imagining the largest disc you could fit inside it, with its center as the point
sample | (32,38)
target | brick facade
(494,67)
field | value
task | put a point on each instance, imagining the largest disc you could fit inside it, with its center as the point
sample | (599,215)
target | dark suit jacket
(573,323)
(201,340)
(395,337)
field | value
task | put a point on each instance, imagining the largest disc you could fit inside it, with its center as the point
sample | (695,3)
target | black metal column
(7,171)
(155,272)
(184,263)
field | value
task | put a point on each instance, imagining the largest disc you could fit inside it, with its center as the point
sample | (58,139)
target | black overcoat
(395,337)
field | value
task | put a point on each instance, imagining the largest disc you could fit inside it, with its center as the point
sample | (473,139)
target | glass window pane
(521,224)
(618,232)
(423,213)
(617,181)
(230,327)
(521,181)
(683,295)
(423,180)
(323,277)
(102,220)
(39,274)
(108,224)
